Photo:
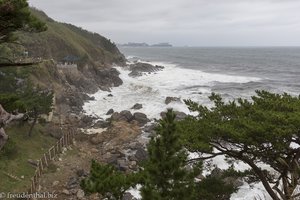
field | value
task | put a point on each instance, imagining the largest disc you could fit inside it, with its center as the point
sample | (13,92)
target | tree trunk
(6,118)
(262,178)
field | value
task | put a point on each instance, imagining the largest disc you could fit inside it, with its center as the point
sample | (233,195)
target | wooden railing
(65,141)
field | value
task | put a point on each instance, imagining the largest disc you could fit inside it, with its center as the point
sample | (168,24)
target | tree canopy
(165,175)
(264,130)
(16,16)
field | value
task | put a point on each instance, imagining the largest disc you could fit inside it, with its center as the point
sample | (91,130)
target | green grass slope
(61,40)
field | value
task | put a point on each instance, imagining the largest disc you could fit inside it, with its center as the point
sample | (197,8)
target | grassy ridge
(63,39)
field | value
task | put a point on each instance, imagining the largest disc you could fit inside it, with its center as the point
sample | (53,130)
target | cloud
(184,22)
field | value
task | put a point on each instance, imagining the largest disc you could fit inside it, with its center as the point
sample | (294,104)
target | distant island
(143,44)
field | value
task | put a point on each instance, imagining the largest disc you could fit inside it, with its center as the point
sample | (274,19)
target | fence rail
(65,141)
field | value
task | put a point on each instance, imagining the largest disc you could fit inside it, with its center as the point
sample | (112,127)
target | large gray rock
(171,99)
(108,77)
(141,118)
(137,106)
(137,69)
(124,115)
(110,111)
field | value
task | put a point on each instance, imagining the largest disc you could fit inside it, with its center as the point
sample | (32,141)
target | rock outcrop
(138,69)
(171,99)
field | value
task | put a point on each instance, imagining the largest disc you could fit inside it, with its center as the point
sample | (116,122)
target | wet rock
(171,99)
(110,111)
(128,196)
(108,77)
(137,106)
(137,69)
(124,115)
(141,118)
(127,115)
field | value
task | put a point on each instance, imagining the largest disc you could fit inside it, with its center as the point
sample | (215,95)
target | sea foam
(152,89)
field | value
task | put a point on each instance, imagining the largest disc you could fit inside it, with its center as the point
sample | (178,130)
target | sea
(194,73)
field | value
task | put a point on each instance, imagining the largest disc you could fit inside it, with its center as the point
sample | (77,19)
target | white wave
(152,89)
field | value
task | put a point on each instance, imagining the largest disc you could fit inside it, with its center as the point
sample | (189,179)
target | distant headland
(143,44)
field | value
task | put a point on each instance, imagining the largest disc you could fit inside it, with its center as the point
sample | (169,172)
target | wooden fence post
(64,141)
(45,158)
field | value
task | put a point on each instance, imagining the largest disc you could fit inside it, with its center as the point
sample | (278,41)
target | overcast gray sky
(184,22)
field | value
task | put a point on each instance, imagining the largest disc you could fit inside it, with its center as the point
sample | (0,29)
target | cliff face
(95,55)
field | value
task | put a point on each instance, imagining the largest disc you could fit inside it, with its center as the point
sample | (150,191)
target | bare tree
(6,118)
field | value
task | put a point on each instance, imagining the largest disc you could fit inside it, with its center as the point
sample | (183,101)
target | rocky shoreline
(119,140)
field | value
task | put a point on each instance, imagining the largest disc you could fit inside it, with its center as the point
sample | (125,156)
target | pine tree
(264,130)
(108,181)
(165,173)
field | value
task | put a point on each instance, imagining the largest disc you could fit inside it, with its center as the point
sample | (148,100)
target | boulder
(141,118)
(137,106)
(127,115)
(119,134)
(124,115)
(171,99)
(137,69)
(108,77)
(110,111)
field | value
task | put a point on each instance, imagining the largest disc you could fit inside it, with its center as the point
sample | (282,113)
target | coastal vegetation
(263,133)
(165,175)
(31,45)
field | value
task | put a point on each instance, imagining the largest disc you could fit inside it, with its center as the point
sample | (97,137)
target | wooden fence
(65,141)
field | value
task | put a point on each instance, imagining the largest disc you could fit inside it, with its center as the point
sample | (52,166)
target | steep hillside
(94,55)
(61,40)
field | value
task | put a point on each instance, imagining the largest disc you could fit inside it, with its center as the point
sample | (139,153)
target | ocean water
(194,73)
